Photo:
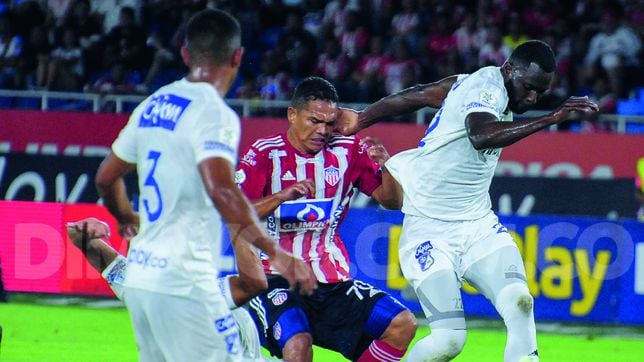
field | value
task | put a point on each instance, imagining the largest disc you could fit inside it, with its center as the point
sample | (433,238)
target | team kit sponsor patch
(308,214)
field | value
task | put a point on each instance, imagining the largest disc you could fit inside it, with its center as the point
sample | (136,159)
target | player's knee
(514,298)
(298,348)
(448,343)
(401,331)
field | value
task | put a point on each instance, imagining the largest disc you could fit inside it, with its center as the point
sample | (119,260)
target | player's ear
(185,55)
(291,114)
(236,59)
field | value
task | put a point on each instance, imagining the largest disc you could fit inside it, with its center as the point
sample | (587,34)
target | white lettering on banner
(41,240)
(639,268)
(37,182)
(559,169)
(5,147)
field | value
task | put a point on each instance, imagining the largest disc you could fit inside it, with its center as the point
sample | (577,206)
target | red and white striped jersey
(308,227)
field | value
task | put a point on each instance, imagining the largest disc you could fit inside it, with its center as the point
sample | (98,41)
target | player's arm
(244,226)
(111,187)
(266,205)
(486,131)
(406,101)
(389,194)
(87,235)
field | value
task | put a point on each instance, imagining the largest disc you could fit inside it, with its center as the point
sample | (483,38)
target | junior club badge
(332,175)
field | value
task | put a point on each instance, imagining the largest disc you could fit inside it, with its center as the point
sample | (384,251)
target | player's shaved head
(534,51)
(212,35)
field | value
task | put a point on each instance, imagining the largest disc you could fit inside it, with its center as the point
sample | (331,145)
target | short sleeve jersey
(308,227)
(167,136)
(446,178)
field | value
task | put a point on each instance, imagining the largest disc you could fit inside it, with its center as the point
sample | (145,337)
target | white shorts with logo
(462,243)
(197,327)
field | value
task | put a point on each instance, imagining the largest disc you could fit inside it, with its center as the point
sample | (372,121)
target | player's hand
(299,275)
(347,121)
(96,229)
(297,190)
(574,105)
(129,228)
(376,150)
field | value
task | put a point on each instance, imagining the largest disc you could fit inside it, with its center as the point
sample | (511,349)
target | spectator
(367,75)
(126,43)
(515,35)
(65,70)
(35,58)
(494,52)
(298,45)
(615,50)
(440,48)
(11,46)
(468,43)
(396,72)
(332,64)
(162,59)
(405,23)
(607,103)
(114,82)
(354,38)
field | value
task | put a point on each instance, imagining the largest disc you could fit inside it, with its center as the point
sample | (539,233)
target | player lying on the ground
(88,235)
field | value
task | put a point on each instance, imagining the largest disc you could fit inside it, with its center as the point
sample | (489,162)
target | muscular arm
(486,131)
(389,194)
(406,101)
(110,186)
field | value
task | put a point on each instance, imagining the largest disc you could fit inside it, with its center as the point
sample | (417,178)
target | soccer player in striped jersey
(301,182)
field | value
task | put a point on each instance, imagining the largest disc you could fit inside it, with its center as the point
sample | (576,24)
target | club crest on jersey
(307,214)
(332,175)
(279,298)
(423,255)
(277,331)
(164,111)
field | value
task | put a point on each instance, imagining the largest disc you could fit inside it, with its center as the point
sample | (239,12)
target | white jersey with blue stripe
(168,135)
(445,178)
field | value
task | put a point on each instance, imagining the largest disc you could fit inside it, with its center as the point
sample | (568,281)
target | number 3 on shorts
(150,181)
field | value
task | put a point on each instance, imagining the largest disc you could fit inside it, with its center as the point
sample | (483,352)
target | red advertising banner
(36,254)
(545,154)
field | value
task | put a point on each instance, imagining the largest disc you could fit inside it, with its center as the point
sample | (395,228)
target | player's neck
(218,77)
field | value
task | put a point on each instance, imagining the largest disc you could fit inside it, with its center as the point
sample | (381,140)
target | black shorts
(338,316)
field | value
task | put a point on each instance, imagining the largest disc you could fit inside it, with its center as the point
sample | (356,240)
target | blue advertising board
(578,269)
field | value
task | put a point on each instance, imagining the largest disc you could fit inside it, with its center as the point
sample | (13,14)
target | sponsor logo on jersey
(279,298)
(308,214)
(146,259)
(277,331)
(288,176)
(423,255)
(164,111)
(225,323)
(332,175)
(249,158)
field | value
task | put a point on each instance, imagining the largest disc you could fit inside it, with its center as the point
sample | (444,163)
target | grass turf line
(33,332)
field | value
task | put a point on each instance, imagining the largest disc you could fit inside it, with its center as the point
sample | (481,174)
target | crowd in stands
(367,48)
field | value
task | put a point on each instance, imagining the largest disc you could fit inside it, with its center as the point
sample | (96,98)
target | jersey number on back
(151,182)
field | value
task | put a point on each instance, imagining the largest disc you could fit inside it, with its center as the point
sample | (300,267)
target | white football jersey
(168,134)
(445,178)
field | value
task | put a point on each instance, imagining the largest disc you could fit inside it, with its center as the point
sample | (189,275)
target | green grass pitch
(36,332)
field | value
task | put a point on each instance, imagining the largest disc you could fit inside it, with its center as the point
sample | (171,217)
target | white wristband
(224,286)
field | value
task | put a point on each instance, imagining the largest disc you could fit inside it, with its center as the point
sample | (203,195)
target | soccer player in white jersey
(183,142)
(301,181)
(449,232)
(91,237)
